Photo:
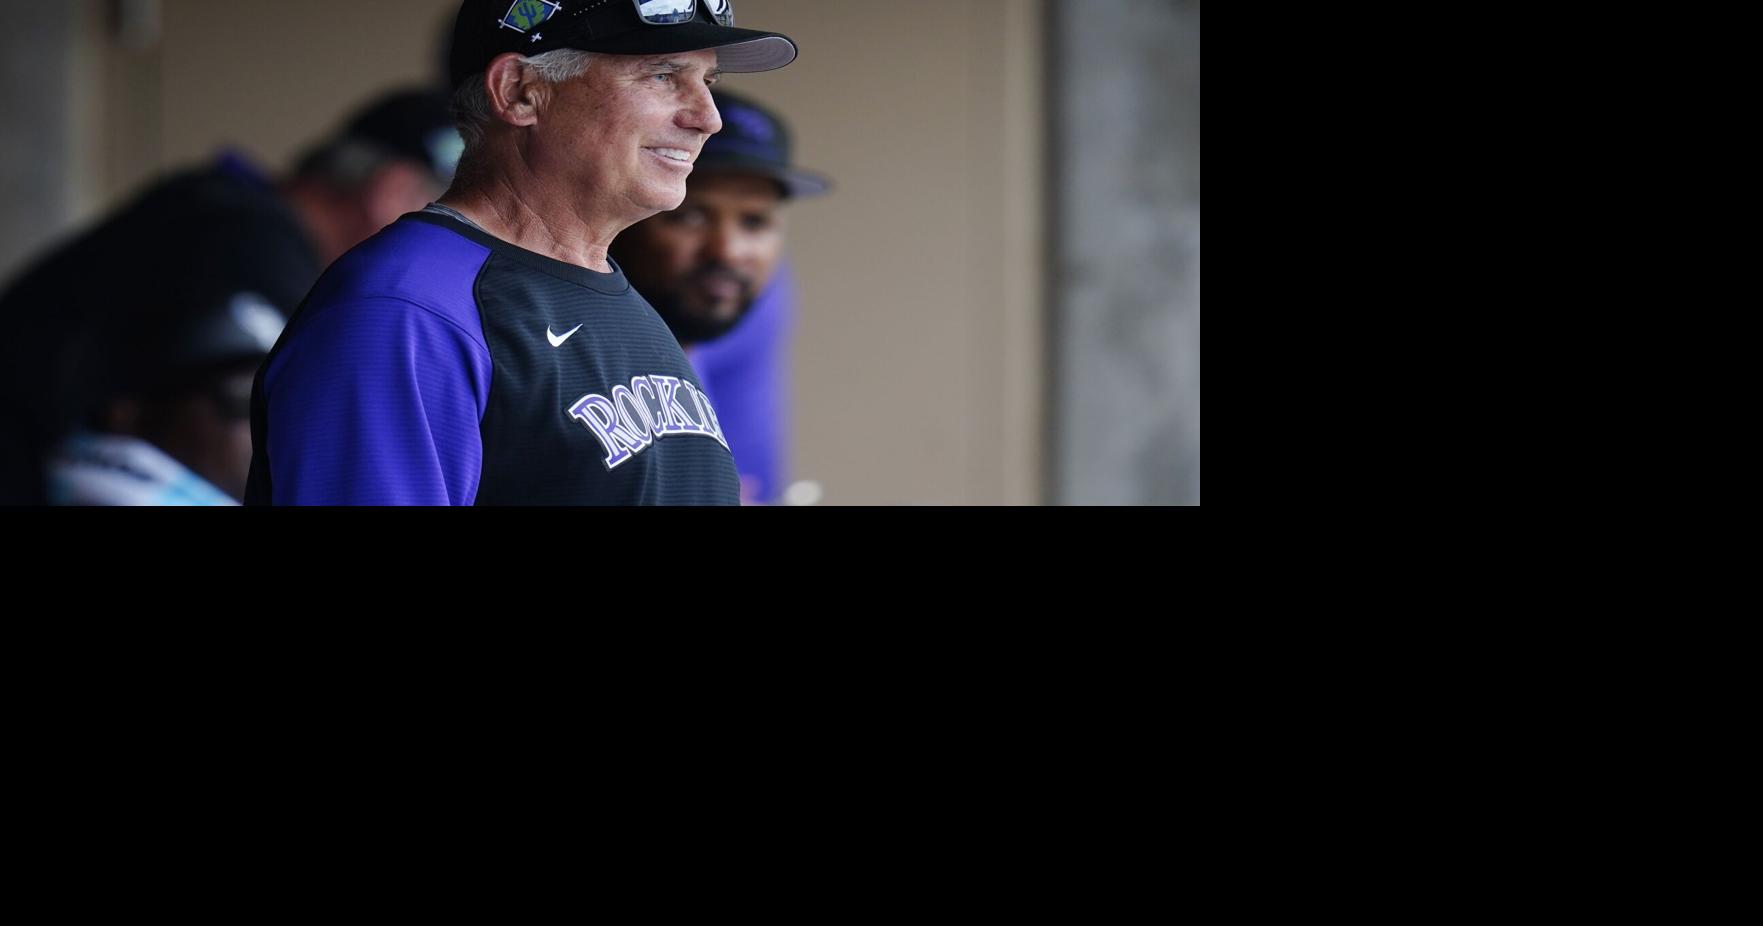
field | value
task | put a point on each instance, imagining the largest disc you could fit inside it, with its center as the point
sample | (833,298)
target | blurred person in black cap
(487,350)
(129,351)
(713,269)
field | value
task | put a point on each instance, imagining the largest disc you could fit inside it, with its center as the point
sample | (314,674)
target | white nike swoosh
(558,341)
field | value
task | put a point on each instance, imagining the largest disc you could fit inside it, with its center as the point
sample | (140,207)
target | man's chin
(696,329)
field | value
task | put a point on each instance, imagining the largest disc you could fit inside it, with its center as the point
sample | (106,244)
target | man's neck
(517,208)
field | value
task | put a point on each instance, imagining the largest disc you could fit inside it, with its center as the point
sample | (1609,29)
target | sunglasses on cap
(675,12)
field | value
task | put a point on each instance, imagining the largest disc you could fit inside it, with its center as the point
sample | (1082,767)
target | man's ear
(516,93)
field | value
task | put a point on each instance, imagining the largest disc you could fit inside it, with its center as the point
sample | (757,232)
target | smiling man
(486,350)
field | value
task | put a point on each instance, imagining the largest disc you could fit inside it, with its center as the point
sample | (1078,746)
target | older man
(486,350)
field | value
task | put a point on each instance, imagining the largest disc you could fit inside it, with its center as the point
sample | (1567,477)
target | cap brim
(738,51)
(799,184)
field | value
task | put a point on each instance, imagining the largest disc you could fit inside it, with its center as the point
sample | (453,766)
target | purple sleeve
(377,402)
(746,374)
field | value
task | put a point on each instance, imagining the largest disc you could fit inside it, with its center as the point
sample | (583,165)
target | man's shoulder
(411,261)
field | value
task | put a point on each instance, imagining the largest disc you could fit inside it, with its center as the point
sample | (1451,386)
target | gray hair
(471,105)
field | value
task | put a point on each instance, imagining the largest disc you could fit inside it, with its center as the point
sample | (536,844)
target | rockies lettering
(632,418)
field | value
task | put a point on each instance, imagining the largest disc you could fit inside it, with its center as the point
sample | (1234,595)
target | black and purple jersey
(435,364)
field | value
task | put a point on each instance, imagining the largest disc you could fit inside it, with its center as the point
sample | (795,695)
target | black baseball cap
(175,346)
(754,140)
(414,124)
(487,28)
